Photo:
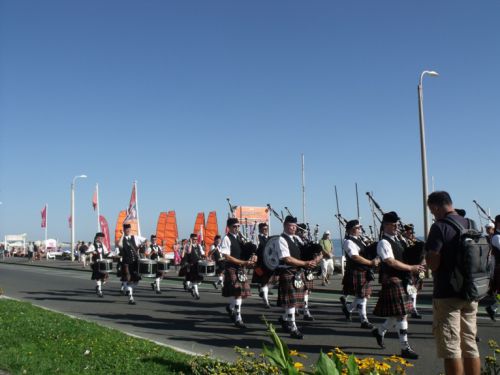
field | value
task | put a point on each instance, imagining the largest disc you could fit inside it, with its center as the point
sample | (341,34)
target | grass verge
(37,341)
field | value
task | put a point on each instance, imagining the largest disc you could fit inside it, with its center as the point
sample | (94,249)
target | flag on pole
(95,201)
(132,207)
(44,217)
(105,230)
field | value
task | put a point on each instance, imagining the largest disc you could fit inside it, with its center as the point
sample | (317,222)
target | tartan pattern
(309,284)
(392,299)
(495,280)
(232,287)
(96,275)
(288,296)
(130,272)
(356,284)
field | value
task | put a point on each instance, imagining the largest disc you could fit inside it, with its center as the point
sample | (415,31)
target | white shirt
(138,241)
(384,248)
(284,250)
(101,252)
(495,241)
(226,244)
(350,247)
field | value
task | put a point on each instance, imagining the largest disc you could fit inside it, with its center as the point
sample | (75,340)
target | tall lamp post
(73,215)
(422,148)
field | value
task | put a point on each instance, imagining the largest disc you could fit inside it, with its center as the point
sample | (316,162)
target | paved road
(174,318)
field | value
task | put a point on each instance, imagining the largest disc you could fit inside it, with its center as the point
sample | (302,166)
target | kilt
(392,299)
(130,272)
(288,296)
(261,275)
(355,283)
(495,281)
(309,284)
(192,274)
(220,266)
(96,275)
(232,287)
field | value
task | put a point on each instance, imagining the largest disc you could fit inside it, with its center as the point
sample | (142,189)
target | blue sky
(203,100)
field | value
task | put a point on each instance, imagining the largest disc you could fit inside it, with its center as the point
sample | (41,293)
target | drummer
(98,252)
(129,250)
(193,254)
(217,257)
(261,274)
(155,252)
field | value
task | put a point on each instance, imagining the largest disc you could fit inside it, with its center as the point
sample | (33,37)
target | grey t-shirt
(443,239)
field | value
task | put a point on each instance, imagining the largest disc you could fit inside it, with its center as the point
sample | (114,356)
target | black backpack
(471,276)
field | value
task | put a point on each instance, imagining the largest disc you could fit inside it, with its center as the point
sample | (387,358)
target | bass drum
(272,253)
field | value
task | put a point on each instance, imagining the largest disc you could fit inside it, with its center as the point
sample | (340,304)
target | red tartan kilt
(288,296)
(261,275)
(495,281)
(309,284)
(356,284)
(232,287)
(392,300)
(130,272)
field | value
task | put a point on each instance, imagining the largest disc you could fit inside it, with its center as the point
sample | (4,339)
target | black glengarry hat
(351,224)
(232,221)
(290,220)
(390,217)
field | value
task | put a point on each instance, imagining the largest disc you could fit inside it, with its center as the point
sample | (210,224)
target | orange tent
(211,230)
(160,228)
(199,225)
(171,232)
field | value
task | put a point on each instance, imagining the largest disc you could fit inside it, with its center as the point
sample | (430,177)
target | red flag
(44,217)
(132,207)
(69,221)
(105,230)
(94,199)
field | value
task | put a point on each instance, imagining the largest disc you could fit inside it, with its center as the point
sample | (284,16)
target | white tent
(15,240)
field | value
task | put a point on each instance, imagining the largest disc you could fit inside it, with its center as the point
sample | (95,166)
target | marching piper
(236,286)
(359,274)
(262,275)
(129,251)
(393,302)
(155,253)
(98,251)
(291,276)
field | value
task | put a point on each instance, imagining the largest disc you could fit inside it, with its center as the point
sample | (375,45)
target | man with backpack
(454,310)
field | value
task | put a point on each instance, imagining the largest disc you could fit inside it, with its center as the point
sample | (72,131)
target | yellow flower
(298,365)
(294,352)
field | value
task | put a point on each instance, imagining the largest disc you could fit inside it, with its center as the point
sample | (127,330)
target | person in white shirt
(129,251)
(99,253)
(359,274)
(393,302)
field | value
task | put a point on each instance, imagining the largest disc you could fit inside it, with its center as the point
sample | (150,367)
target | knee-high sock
(232,303)
(99,283)
(188,284)
(388,324)
(237,308)
(413,297)
(130,289)
(362,309)
(355,304)
(289,316)
(265,290)
(157,281)
(195,288)
(306,304)
(221,277)
(402,327)
(124,285)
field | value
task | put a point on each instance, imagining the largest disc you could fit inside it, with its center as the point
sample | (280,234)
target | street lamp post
(73,215)
(422,148)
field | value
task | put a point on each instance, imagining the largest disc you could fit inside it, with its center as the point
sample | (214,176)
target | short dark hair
(439,198)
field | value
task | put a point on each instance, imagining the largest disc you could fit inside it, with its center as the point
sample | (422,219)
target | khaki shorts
(454,328)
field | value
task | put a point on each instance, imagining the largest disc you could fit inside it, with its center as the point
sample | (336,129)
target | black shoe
(100,294)
(197,295)
(379,337)
(416,315)
(366,325)
(240,324)
(158,292)
(296,334)
(131,302)
(409,353)
(153,286)
(491,313)
(309,318)
(216,286)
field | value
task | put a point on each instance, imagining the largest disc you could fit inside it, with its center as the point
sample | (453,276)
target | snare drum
(105,265)
(147,267)
(163,265)
(206,268)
